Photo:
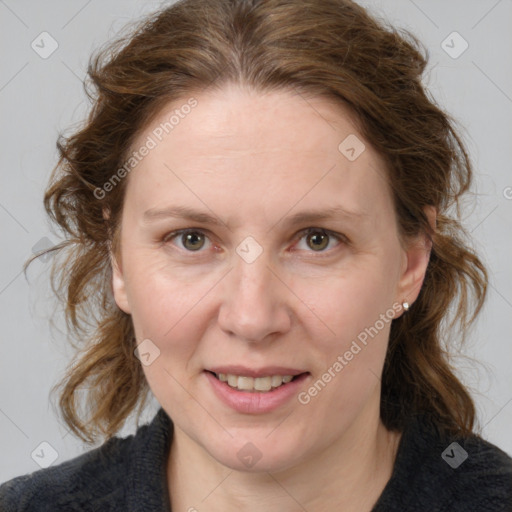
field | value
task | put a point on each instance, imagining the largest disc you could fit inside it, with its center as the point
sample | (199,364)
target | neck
(351,475)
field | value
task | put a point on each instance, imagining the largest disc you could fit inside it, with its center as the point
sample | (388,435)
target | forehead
(238,117)
(274,147)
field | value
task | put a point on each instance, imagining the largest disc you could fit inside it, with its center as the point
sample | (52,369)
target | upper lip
(267,371)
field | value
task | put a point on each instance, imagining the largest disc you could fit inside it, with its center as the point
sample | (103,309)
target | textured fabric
(121,475)
(129,475)
(422,480)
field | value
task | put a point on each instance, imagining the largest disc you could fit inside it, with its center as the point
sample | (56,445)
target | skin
(252,159)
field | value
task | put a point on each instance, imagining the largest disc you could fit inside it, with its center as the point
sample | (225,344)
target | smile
(256,394)
(254,384)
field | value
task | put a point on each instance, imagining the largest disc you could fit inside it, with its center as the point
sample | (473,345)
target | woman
(258,218)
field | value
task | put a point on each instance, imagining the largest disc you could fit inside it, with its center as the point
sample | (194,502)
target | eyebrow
(184,212)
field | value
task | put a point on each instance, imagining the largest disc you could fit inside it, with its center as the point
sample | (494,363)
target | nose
(255,302)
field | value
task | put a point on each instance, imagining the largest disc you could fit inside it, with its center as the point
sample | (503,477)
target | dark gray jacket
(129,474)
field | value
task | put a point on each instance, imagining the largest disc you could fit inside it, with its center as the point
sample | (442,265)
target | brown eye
(317,240)
(320,240)
(192,240)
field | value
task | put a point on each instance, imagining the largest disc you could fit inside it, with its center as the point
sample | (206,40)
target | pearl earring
(405,305)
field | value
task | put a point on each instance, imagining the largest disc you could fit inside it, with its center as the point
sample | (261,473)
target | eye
(192,240)
(318,239)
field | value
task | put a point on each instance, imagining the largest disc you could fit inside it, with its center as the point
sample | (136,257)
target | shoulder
(97,480)
(479,475)
(435,471)
(71,485)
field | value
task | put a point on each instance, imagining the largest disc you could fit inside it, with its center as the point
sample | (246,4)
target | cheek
(357,309)
(350,353)
(162,298)
(351,301)
(169,311)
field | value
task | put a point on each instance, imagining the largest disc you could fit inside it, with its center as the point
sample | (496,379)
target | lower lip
(256,402)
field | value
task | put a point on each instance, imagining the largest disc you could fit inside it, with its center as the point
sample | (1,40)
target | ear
(119,285)
(415,261)
(118,279)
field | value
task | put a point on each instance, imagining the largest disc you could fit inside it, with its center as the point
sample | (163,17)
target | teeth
(277,380)
(254,384)
(245,383)
(263,384)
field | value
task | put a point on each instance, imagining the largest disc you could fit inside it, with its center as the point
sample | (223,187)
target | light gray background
(40,98)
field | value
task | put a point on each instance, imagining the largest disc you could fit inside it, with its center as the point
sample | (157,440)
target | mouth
(264,384)
(256,391)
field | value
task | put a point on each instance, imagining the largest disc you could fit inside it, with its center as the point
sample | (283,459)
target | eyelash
(342,239)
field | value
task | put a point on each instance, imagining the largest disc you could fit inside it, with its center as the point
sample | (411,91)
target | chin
(257,456)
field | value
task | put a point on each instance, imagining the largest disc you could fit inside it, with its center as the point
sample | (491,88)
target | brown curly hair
(328,48)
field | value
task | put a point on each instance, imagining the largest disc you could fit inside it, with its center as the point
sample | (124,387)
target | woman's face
(292,266)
